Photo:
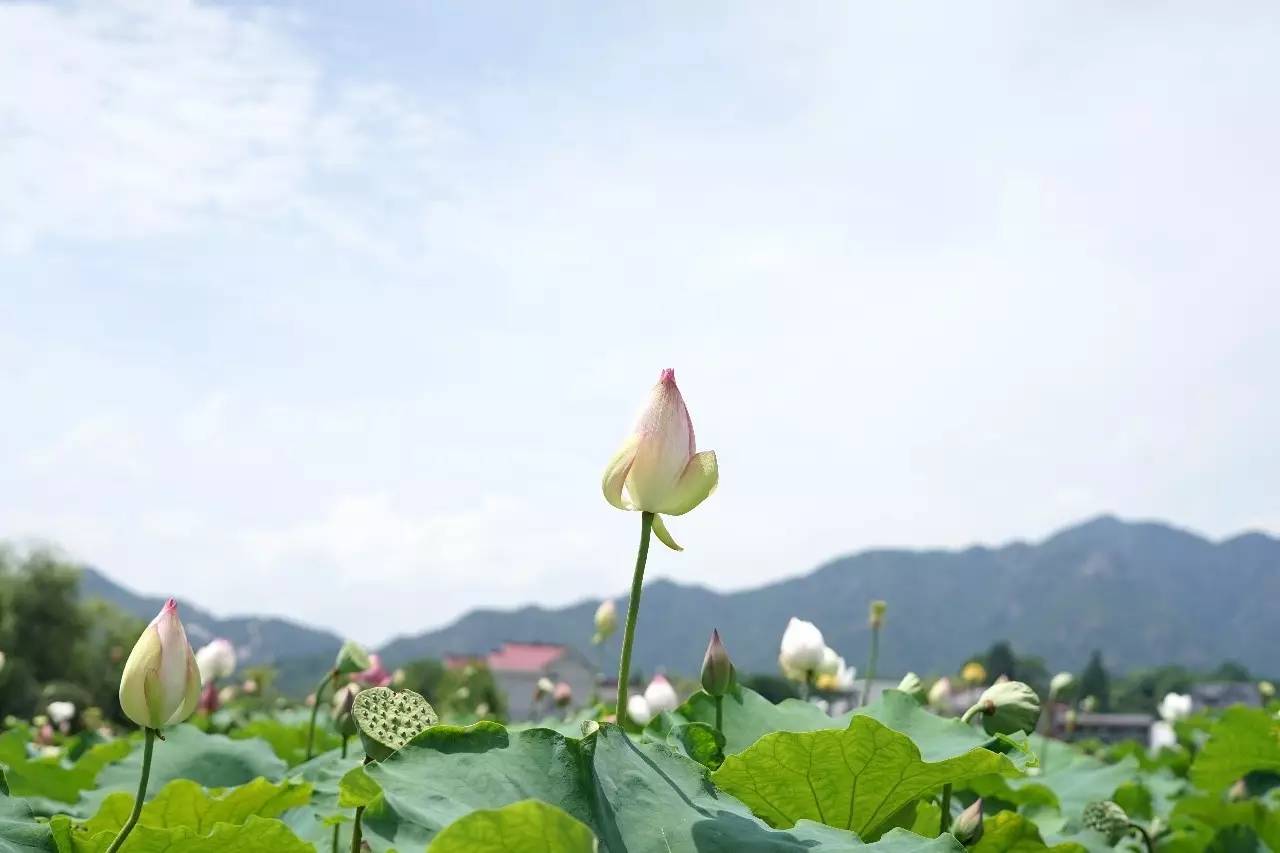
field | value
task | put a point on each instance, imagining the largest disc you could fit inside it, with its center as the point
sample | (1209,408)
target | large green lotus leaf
(255,835)
(635,797)
(1242,741)
(214,761)
(19,832)
(50,786)
(184,803)
(855,779)
(529,826)
(748,716)
(315,820)
(938,738)
(1216,813)
(1068,780)
(289,740)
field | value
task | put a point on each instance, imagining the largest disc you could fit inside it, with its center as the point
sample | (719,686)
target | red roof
(462,661)
(525,657)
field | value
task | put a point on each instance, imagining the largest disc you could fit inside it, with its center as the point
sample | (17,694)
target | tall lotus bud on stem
(606,621)
(717,668)
(1006,708)
(875,619)
(875,614)
(1060,684)
(967,827)
(1266,689)
(160,686)
(351,660)
(658,471)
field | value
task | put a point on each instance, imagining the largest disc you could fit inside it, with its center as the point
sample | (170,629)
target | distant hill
(1145,593)
(258,639)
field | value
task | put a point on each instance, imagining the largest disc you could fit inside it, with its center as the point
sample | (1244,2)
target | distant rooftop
(525,657)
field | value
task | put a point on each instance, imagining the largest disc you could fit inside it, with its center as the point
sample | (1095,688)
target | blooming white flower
(660,696)
(161,684)
(638,710)
(61,712)
(940,692)
(216,660)
(1161,736)
(802,649)
(830,663)
(1175,706)
(659,466)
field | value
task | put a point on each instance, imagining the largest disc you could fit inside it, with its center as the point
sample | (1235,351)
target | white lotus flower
(1175,706)
(638,710)
(1161,736)
(660,696)
(940,692)
(216,660)
(802,649)
(830,663)
(1060,682)
(61,712)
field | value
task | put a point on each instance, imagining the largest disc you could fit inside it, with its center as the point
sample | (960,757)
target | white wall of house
(518,686)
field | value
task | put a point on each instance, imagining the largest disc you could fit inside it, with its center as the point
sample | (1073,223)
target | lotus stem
(149,742)
(720,714)
(944,820)
(315,709)
(356,834)
(871,664)
(1147,840)
(633,612)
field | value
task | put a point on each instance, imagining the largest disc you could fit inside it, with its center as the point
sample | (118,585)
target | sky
(340,316)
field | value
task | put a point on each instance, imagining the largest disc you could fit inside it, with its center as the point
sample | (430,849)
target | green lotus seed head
(1009,707)
(352,658)
(1108,819)
(388,720)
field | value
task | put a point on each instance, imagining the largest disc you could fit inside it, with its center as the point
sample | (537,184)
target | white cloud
(126,119)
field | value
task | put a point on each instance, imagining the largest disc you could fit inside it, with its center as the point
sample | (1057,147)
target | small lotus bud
(661,696)
(482,710)
(1007,708)
(638,711)
(606,621)
(344,699)
(61,712)
(940,692)
(160,685)
(911,683)
(1238,791)
(228,694)
(1089,704)
(717,669)
(1107,818)
(1070,719)
(802,649)
(398,677)
(544,688)
(1060,683)
(352,658)
(216,660)
(208,696)
(1174,707)
(967,827)
(563,694)
(875,616)
(974,673)
(374,675)
(250,686)
(1265,688)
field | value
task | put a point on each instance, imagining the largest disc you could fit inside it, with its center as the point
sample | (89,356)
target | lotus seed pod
(352,658)
(875,615)
(1108,819)
(388,720)
(1008,708)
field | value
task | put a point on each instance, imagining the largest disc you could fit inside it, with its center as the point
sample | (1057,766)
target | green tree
(1095,682)
(999,660)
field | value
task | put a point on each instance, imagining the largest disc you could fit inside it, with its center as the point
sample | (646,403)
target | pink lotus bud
(375,676)
(717,669)
(209,698)
(661,696)
(161,683)
(658,465)
(562,694)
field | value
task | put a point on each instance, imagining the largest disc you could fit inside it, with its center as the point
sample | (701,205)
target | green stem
(633,612)
(149,742)
(871,665)
(356,833)
(804,686)
(1147,840)
(945,818)
(1046,737)
(968,715)
(315,709)
(720,714)
(345,741)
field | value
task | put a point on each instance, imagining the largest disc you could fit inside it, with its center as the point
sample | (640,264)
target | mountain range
(1144,593)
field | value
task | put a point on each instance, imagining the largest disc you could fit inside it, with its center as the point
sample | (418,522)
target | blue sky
(341,315)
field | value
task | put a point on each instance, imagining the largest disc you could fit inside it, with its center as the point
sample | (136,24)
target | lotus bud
(1060,684)
(802,649)
(1238,791)
(1108,819)
(562,695)
(1007,708)
(1089,704)
(1174,707)
(606,621)
(658,466)
(717,669)
(875,616)
(940,692)
(216,660)
(161,683)
(352,658)
(660,696)
(1265,688)
(398,677)
(344,699)
(911,683)
(638,710)
(228,694)
(967,827)
(974,673)
(375,675)
(544,688)
(1070,719)
(482,710)
(250,686)
(61,712)
(208,695)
